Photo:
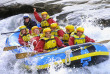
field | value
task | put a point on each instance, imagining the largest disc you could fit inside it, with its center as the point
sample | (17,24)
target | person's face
(53,28)
(26,20)
(67,31)
(48,34)
(23,31)
(79,33)
(36,31)
(44,17)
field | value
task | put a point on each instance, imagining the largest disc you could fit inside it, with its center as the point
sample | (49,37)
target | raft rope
(73,50)
(68,52)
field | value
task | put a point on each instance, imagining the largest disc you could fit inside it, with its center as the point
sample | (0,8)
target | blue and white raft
(73,56)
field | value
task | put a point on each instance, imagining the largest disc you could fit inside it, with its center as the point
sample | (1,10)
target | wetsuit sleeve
(60,33)
(38,18)
(71,41)
(35,40)
(21,41)
(50,21)
(59,43)
(89,39)
(39,47)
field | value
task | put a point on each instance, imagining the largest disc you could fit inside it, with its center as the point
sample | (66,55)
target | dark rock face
(6,11)
(105,22)
(15,9)
(50,8)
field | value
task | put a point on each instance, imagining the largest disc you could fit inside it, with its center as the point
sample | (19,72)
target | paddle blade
(13,47)
(105,41)
(10,48)
(24,55)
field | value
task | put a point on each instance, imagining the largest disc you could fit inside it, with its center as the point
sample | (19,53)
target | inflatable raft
(72,56)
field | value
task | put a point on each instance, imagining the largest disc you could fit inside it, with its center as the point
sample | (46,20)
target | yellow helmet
(53,25)
(34,27)
(70,28)
(81,29)
(46,30)
(22,27)
(43,13)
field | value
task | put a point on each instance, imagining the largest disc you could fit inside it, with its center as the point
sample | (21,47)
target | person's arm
(35,40)
(50,21)
(59,43)
(38,18)
(71,41)
(89,39)
(60,33)
(21,41)
(39,47)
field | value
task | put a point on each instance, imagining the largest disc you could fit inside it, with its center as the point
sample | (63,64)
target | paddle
(28,54)
(13,47)
(25,55)
(9,32)
(104,41)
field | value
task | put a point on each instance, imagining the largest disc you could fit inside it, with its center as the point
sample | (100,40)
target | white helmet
(26,16)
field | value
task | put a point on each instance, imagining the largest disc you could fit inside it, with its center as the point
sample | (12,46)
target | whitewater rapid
(9,65)
(84,15)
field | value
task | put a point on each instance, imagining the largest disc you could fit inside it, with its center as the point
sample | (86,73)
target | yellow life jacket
(72,33)
(44,24)
(66,38)
(50,44)
(54,33)
(78,40)
(25,37)
(41,35)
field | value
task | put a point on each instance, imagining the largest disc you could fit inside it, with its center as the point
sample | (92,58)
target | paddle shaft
(104,41)
(25,55)
(9,32)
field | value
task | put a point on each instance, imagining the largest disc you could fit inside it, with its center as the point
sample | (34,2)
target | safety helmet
(46,30)
(53,25)
(34,27)
(70,28)
(44,13)
(26,16)
(22,27)
(81,29)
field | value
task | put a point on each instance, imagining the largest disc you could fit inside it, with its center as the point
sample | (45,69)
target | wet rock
(106,1)
(71,2)
(50,8)
(79,1)
(104,22)
(15,9)
(95,1)
(70,18)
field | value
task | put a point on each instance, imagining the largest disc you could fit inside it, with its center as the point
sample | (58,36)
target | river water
(83,13)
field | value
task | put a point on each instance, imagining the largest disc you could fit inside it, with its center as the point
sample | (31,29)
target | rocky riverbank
(66,11)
